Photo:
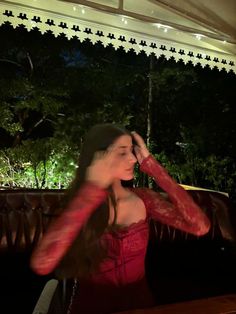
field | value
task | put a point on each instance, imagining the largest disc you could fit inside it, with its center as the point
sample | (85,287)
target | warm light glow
(199,36)
(165,27)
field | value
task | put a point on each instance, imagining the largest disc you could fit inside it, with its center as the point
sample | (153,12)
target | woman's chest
(127,212)
(127,242)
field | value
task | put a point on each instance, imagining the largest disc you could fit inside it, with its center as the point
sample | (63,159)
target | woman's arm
(180,210)
(62,232)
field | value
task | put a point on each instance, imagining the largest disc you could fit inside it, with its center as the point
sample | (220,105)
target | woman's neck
(119,191)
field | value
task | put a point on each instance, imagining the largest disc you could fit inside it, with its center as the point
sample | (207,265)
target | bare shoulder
(142,192)
(148,195)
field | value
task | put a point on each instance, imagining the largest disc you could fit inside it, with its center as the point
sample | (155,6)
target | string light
(165,27)
(199,36)
(123,19)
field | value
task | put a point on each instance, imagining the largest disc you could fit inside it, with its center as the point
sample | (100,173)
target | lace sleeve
(179,210)
(62,232)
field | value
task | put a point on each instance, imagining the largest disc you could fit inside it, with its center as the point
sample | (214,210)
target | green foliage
(53,90)
(44,163)
(210,172)
(7,120)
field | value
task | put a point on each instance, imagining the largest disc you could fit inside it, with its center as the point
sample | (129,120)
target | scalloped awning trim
(84,29)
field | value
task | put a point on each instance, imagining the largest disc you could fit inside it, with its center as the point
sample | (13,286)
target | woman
(101,236)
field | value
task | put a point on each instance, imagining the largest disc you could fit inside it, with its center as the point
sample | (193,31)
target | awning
(199,31)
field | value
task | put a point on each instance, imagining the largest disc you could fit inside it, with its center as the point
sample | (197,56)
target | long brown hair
(86,253)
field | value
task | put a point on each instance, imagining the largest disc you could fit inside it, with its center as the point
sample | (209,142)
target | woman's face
(123,150)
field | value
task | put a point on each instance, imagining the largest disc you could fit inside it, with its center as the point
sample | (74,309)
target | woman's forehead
(123,141)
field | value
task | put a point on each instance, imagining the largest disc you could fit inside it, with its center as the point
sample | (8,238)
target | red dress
(120,283)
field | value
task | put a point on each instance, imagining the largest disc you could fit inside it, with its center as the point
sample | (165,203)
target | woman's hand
(140,147)
(102,169)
